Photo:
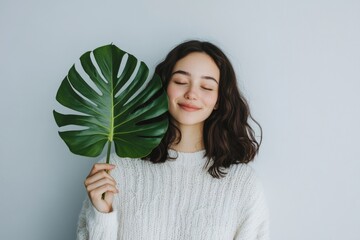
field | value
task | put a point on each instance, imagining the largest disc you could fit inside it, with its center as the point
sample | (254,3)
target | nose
(190,94)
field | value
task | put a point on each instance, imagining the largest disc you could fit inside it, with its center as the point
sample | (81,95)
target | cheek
(211,99)
(171,92)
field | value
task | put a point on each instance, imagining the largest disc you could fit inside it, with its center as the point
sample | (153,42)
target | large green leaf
(111,113)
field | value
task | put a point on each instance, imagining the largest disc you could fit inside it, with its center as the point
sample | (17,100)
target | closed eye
(180,83)
(208,89)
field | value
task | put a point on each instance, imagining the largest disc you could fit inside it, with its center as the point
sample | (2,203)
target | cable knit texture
(179,200)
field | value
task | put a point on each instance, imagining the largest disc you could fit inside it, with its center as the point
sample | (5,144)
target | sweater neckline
(188,158)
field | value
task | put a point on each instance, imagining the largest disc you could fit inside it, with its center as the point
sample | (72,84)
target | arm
(255,222)
(94,225)
(98,219)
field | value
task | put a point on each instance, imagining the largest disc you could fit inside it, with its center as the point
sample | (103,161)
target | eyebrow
(189,75)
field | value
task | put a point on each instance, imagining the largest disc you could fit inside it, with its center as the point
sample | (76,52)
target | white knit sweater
(179,200)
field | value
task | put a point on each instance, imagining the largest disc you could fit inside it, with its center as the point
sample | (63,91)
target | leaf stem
(107,161)
(108,152)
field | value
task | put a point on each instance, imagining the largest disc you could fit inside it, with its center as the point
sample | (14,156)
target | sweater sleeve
(94,225)
(255,220)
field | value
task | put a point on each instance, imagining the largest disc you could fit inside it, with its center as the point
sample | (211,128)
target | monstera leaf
(112,109)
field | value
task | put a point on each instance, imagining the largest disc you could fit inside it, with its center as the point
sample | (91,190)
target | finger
(109,196)
(101,166)
(96,177)
(97,192)
(99,183)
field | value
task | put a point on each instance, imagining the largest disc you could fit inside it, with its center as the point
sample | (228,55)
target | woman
(181,191)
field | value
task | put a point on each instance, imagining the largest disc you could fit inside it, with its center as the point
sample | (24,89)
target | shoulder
(245,172)
(251,190)
(247,178)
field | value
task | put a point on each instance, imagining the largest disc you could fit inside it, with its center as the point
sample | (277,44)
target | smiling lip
(188,107)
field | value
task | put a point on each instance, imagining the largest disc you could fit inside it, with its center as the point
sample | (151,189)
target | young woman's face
(193,89)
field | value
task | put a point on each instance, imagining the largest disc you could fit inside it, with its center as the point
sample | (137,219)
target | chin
(188,121)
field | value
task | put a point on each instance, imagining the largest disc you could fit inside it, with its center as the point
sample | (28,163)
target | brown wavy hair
(228,137)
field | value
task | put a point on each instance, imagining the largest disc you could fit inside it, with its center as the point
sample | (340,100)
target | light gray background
(298,63)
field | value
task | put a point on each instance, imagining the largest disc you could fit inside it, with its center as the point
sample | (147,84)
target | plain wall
(298,64)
